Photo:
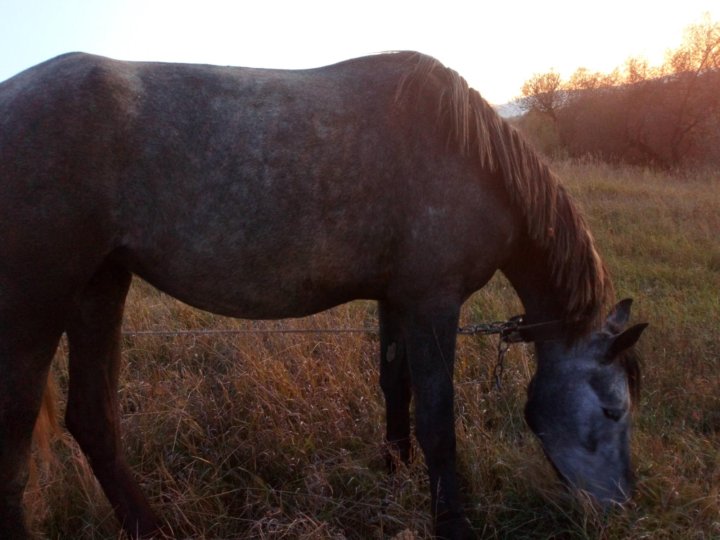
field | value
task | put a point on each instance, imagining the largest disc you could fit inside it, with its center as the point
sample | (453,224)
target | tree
(665,115)
(583,79)
(543,93)
(695,68)
(700,51)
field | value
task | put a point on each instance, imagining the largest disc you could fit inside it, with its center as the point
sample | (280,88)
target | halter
(514,331)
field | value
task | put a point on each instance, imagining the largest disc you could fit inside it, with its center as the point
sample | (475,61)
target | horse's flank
(554,225)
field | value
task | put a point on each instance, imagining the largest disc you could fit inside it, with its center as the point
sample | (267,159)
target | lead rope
(499,369)
(508,332)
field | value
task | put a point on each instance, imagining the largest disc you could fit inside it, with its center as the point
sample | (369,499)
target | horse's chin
(603,488)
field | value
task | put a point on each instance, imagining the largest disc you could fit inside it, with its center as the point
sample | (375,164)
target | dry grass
(280,436)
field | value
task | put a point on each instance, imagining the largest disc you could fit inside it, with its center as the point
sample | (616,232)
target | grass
(280,436)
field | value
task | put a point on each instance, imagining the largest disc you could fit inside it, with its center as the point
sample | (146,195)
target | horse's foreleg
(92,413)
(27,346)
(431,336)
(395,384)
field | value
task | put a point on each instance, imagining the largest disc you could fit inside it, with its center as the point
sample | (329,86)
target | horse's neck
(530,275)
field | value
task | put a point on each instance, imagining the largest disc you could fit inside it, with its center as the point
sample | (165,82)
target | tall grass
(280,436)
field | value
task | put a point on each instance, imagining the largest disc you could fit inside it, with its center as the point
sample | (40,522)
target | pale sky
(495,45)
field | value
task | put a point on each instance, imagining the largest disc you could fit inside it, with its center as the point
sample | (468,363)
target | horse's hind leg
(92,412)
(27,344)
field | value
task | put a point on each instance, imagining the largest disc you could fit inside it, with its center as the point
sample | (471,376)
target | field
(280,435)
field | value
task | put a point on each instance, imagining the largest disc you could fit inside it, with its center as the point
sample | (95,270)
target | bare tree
(584,79)
(543,93)
(663,115)
(695,68)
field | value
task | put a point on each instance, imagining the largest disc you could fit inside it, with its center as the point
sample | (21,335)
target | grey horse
(268,194)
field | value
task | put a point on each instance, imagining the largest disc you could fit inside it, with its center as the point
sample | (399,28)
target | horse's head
(579,405)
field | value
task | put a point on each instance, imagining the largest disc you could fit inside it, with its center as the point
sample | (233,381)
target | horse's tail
(43,460)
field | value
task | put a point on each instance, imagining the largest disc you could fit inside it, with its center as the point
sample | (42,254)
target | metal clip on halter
(514,331)
(510,331)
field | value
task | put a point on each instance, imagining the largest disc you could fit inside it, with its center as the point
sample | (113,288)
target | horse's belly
(243,285)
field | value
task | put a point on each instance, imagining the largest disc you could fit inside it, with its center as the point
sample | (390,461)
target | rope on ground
(482,329)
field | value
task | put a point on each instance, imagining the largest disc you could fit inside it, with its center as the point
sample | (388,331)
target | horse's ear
(624,341)
(618,317)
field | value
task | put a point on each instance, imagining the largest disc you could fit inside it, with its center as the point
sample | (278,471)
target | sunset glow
(496,47)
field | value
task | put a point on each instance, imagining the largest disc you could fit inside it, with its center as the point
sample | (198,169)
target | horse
(263,194)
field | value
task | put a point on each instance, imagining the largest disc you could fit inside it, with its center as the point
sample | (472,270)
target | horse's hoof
(454,527)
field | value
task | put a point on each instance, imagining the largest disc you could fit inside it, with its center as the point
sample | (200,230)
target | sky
(496,45)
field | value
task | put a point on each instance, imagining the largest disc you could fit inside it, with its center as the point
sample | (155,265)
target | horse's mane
(553,223)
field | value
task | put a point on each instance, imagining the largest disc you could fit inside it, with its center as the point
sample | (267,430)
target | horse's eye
(613,413)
